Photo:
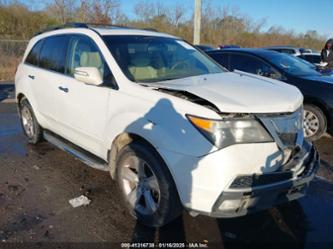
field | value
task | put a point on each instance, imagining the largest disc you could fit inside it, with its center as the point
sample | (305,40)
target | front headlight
(231,130)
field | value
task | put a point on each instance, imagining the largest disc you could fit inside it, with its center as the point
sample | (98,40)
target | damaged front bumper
(250,193)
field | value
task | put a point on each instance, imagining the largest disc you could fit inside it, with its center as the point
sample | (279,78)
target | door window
(53,54)
(221,58)
(253,65)
(83,52)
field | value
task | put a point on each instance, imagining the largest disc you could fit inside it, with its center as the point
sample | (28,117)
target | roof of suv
(129,31)
(107,29)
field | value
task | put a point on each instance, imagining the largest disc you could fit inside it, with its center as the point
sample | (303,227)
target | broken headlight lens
(228,131)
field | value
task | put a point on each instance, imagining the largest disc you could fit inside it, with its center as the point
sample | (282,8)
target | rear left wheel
(29,122)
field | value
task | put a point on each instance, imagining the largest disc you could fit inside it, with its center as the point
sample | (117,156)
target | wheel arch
(19,97)
(321,105)
(120,142)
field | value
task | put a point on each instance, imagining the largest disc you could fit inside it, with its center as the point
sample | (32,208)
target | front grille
(250,181)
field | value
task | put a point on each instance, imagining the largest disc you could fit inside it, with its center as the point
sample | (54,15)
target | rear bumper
(267,190)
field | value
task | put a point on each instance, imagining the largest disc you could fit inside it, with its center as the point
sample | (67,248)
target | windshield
(292,65)
(152,59)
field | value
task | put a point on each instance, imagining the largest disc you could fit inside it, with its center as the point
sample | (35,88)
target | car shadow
(173,232)
(284,226)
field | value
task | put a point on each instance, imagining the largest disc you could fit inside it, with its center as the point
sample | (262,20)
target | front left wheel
(29,122)
(147,186)
(314,122)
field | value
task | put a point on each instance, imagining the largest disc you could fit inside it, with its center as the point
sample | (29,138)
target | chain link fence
(11,52)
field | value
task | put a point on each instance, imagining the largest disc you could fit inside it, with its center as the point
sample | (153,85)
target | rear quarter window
(33,56)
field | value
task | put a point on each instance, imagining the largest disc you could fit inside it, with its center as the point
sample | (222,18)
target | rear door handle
(64,89)
(31,77)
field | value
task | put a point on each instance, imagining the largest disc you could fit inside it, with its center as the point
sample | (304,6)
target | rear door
(46,74)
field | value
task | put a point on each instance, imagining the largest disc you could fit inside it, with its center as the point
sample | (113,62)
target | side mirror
(88,75)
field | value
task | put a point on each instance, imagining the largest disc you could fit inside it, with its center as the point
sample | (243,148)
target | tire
(315,122)
(29,123)
(151,177)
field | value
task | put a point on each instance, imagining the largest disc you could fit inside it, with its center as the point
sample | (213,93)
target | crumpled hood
(240,92)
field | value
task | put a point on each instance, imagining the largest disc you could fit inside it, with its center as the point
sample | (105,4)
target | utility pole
(197,22)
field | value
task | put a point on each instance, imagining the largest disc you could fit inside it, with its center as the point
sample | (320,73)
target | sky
(297,15)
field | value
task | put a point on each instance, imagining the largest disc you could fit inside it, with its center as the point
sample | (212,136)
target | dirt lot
(36,183)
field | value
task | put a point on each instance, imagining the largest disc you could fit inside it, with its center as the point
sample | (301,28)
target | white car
(313,58)
(295,51)
(174,128)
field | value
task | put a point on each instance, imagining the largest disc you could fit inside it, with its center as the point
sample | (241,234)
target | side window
(252,65)
(242,62)
(312,58)
(53,54)
(83,52)
(288,51)
(221,58)
(33,56)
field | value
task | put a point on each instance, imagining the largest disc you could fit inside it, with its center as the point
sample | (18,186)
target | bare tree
(104,11)
(177,14)
(62,10)
(146,11)
(83,11)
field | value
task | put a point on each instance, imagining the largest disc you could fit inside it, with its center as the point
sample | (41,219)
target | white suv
(174,128)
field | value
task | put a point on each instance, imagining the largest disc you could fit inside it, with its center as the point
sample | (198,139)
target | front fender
(167,130)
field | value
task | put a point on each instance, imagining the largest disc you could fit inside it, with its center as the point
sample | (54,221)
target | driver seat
(141,68)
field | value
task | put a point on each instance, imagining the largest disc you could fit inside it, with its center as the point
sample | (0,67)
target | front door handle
(64,89)
(31,77)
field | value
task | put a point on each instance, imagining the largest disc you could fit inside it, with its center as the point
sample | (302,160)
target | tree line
(220,25)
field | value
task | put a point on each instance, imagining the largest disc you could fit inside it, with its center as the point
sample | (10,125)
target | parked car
(295,51)
(204,47)
(316,87)
(223,46)
(173,128)
(313,58)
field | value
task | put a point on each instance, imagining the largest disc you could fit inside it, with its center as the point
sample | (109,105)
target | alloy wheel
(311,124)
(27,121)
(140,185)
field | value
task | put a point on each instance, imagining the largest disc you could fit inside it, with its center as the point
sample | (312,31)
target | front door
(83,108)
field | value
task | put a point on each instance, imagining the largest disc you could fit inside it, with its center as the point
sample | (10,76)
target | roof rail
(109,26)
(62,26)
(88,26)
